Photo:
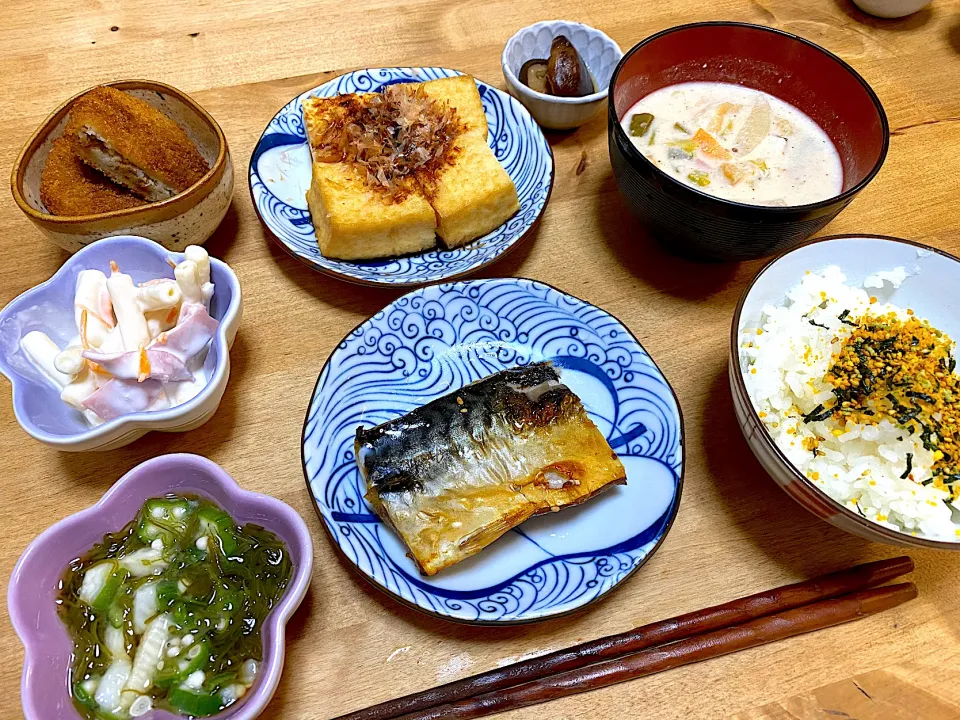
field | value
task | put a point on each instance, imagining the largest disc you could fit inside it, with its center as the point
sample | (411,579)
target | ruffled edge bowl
(123,430)
(31,594)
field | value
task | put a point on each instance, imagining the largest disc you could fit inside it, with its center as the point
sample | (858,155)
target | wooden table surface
(736,532)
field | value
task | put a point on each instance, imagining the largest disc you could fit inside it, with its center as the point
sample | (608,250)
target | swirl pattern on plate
(279,176)
(439,338)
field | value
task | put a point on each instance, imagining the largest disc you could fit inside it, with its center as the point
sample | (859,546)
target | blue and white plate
(280,176)
(439,338)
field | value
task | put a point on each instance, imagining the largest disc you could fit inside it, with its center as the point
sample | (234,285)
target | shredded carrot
(709,146)
(172,315)
(114,267)
(144,365)
(171,263)
(97,369)
(83,330)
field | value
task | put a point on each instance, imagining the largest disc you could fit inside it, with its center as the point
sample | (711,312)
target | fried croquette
(134,144)
(69,187)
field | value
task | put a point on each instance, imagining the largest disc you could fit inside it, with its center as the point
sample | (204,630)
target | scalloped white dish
(599,52)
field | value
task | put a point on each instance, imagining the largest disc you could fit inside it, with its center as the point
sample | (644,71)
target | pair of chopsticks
(766,617)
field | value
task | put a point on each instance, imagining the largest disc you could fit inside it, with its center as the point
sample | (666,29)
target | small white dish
(49,307)
(599,52)
(891,8)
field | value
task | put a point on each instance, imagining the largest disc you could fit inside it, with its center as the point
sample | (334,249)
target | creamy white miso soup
(736,143)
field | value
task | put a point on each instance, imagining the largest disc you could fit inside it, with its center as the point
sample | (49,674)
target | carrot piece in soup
(709,146)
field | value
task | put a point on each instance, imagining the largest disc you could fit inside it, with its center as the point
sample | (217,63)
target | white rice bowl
(784,360)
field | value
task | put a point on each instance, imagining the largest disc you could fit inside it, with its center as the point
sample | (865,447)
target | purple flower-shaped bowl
(49,307)
(31,596)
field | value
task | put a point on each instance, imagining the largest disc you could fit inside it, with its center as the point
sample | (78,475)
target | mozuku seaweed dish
(166,612)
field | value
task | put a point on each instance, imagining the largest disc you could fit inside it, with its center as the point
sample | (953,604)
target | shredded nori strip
(919,396)
(908,416)
(926,437)
(816,411)
(817,414)
(843,318)
(816,324)
(909,469)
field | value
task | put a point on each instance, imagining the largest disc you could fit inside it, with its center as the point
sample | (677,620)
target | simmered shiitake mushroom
(563,74)
(567,75)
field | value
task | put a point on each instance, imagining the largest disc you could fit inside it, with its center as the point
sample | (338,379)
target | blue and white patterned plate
(280,176)
(439,338)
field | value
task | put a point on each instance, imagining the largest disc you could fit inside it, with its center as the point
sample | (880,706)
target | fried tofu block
(134,144)
(472,196)
(354,222)
(461,94)
(70,187)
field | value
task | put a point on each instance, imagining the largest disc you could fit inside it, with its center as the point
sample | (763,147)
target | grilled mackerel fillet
(454,475)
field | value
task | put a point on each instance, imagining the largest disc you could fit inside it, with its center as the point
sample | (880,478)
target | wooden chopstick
(658,633)
(770,628)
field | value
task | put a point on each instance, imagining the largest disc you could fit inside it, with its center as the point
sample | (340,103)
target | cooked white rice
(785,358)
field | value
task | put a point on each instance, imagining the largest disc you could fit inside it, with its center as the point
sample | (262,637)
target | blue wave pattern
(439,338)
(517,142)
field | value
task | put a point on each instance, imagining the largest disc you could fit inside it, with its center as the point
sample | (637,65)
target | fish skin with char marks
(454,475)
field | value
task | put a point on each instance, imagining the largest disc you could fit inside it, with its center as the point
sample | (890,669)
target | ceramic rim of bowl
(741,389)
(634,155)
(169,207)
(583,99)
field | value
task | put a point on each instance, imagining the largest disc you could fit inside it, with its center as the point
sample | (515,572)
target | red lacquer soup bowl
(694,223)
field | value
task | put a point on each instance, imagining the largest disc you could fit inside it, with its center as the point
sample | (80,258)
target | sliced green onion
(196,703)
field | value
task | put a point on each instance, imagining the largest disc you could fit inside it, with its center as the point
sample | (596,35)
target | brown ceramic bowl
(185,219)
(693,223)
